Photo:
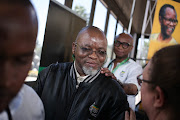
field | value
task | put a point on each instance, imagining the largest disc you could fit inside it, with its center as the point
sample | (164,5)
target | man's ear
(73,47)
(131,47)
(159,99)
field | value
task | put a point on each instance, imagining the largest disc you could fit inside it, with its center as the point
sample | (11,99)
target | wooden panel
(62,28)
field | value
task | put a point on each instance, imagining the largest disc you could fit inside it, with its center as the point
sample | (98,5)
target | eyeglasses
(141,80)
(124,44)
(89,51)
(174,21)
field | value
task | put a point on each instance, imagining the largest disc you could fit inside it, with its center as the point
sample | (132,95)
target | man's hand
(130,116)
(107,72)
(129,88)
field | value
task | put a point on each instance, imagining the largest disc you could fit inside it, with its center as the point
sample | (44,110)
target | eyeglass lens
(88,51)
(175,21)
(124,44)
(139,78)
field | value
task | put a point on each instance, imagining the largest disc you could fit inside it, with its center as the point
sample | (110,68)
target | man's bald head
(93,32)
(15,14)
(127,37)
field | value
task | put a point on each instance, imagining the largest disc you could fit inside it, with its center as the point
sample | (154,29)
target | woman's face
(146,93)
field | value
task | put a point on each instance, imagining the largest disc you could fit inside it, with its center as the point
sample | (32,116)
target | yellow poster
(166,26)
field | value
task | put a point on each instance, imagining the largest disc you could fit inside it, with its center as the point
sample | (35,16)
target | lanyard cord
(124,61)
(9,113)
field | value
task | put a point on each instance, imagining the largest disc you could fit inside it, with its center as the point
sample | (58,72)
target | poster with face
(166,28)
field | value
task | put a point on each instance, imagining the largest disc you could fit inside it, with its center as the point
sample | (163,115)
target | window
(125,31)
(100,15)
(142,51)
(41,7)
(119,29)
(110,34)
(61,1)
(83,8)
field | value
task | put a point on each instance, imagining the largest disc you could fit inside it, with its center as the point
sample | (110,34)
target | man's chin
(89,70)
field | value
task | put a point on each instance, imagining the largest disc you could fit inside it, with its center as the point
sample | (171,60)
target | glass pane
(119,29)
(61,1)
(110,35)
(125,31)
(41,7)
(100,15)
(142,51)
(83,8)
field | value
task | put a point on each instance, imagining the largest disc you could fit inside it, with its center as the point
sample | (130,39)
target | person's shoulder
(133,63)
(110,90)
(31,106)
(29,93)
(116,91)
(65,65)
(57,67)
(110,84)
(60,65)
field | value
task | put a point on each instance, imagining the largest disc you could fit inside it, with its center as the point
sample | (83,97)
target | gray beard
(89,71)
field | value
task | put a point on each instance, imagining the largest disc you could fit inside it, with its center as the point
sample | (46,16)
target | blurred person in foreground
(160,85)
(77,90)
(18,31)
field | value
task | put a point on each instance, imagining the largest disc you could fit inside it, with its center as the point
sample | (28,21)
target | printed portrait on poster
(166,28)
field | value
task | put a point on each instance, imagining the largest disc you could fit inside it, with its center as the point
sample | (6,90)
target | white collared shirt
(25,106)
(127,73)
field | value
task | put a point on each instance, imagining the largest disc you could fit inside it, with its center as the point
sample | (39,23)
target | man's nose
(121,46)
(93,54)
(172,23)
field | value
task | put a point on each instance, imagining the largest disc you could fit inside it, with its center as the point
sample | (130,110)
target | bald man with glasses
(124,69)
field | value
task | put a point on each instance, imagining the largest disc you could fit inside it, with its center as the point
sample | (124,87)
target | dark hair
(165,72)
(162,11)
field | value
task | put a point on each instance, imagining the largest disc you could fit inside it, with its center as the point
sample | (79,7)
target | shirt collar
(79,78)
(14,104)
(88,79)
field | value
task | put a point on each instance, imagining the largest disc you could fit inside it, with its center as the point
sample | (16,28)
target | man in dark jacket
(78,91)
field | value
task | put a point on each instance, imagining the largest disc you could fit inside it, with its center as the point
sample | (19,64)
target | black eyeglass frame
(140,81)
(89,51)
(171,20)
(124,44)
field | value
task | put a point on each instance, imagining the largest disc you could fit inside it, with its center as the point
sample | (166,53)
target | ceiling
(122,10)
